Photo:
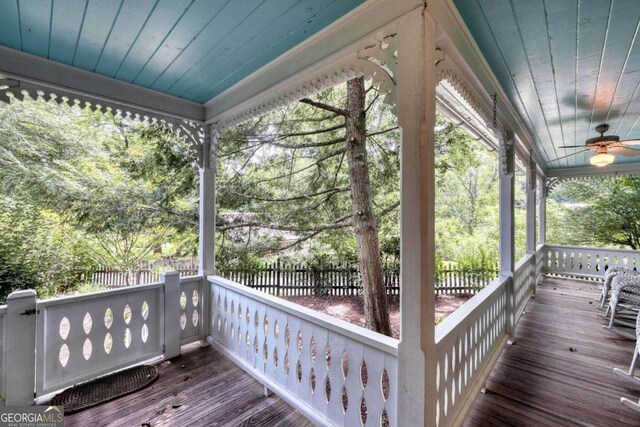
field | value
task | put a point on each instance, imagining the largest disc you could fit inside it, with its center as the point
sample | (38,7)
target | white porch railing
(81,337)
(587,262)
(470,340)
(524,281)
(330,370)
(85,336)
(468,343)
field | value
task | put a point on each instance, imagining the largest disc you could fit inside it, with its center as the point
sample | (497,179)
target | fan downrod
(601,129)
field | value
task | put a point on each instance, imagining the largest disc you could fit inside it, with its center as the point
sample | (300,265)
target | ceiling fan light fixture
(601,159)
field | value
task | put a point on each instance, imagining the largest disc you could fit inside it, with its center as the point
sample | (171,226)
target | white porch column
(416,116)
(20,348)
(532,182)
(208,202)
(542,237)
(507,223)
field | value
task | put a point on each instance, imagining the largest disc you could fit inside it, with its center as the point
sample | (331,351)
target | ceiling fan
(605,147)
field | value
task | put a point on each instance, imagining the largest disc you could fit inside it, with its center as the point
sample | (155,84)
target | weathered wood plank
(540,381)
(199,388)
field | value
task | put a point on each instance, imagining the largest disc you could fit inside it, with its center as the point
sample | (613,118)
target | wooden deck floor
(539,381)
(210,391)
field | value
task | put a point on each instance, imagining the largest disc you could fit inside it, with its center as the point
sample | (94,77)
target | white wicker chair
(630,375)
(608,278)
(625,293)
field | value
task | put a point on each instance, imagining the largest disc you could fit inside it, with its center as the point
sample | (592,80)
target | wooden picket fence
(290,279)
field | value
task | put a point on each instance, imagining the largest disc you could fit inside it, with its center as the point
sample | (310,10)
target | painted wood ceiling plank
(163,18)
(262,34)
(592,32)
(66,23)
(207,40)
(263,22)
(532,21)
(508,41)
(627,101)
(224,35)
(199,15)
(10,24)
(131,20)
(97,26)
(618,52)
(241,69)
(35,26)
(561,24)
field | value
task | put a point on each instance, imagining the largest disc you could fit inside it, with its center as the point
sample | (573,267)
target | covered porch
(455,56)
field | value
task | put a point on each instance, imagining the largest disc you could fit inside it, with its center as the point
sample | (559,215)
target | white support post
(20,348)
(171,280)
(532,181)
(507,225)
(207,236)
(416,105)
(542,237)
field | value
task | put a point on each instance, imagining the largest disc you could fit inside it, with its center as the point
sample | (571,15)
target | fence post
(171,280)
(20,348)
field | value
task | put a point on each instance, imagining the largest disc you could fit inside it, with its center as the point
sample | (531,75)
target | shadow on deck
(210,391)
(540,381)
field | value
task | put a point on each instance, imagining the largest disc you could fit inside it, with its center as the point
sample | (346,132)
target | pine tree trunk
(364,223)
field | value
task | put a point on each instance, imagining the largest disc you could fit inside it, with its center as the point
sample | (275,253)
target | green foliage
(596,212)
(467,220)
(38,251)
(125,188)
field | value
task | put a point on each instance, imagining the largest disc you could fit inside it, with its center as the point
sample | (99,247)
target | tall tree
(305,172)
(363,220)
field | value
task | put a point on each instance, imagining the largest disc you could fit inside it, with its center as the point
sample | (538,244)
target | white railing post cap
(169,273)
(26,293)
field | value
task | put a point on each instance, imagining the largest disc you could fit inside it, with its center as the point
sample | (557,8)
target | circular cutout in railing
(108,343)
(195,297)
(63,355)
(108,318)
(144,333)
(194,318)
(65,327)
(87,349)
(126,314)
(183,300)
(87,323)
(127,338)
(144,310)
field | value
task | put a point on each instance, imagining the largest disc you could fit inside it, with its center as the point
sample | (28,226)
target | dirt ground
(351,309)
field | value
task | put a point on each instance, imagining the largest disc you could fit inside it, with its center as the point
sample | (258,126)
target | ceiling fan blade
(630,142)
(569,155)
(624,151)
(573,146)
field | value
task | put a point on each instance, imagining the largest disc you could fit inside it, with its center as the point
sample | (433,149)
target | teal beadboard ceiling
(192,49)
(566,66)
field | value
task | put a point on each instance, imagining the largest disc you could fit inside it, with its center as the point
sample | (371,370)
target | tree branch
(289,199)
(324,106)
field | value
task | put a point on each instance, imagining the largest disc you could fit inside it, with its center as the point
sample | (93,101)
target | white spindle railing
(192,316)
(539,264)
(524,282)
(330,370)
(467,345)
(3,311)
(587,262)
(81,337)
(85,336)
